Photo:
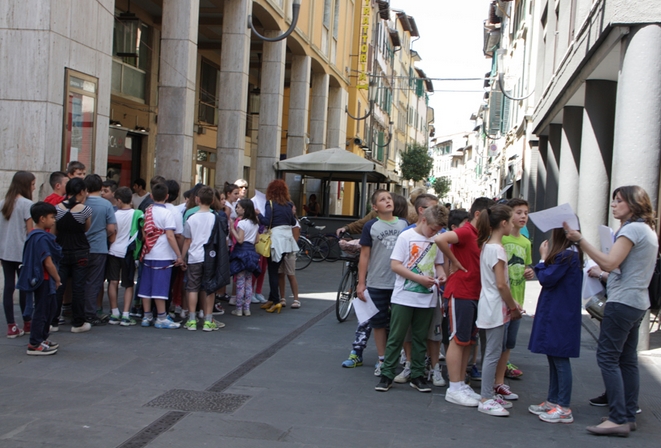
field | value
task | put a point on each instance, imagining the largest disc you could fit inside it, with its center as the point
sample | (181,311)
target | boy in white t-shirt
(197,231)
(160,253)
(418,265)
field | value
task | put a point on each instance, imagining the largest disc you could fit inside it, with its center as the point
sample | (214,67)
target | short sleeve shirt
(250,230)
(102,215)
(465,285)
(198,228)
(381,236)
(179,224)
(419,255)
(491,309)
(124,219)
(163,219)
(13,232)
(519,255)
(630,287)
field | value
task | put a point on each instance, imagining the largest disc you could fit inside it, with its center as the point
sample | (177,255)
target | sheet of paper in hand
(552,218)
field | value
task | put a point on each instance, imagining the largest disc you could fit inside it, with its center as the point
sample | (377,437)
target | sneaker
(127,322)
(61,320)
(353,361)
(420,383)
(183,315)
(51,344)
(191,325)
(261,298)
(232,301)
(504,403)
(428,367)
(461,397)
(512,371)
(218,324)
(557,415)
(135,312)
(177,309)
(13,331)
(246,312)
(209,325)
(218,309)
(167,324)
(404,375)
(26,327)
(82,329)
(437,377)
(504,390)
(475,374)
(384,384)
(96,322)
(377,368)
(114,320)
(238,313)
(147,321)
(541,408)
(54,329)
(254,300)
(41,350)
(402,358)
(471,393)
(600,401)
(491,407)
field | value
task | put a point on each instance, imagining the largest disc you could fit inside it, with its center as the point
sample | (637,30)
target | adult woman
(243,188)
(279,217)
(633,252)
(15,224)
(312,208)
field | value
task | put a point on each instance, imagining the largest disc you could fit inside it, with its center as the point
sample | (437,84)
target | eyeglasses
(245,186)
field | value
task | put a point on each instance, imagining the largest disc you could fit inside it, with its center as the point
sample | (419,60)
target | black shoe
(601,400)
(420,383)
(384,384)
(96,322)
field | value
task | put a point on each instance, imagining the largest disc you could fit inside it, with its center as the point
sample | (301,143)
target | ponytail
(490,219)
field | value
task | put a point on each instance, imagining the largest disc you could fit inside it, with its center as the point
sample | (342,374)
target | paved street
(271,381)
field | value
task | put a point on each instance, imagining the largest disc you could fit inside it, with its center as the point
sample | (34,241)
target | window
(327,13)
(336,26)
(129,74)
(205,168)
(209,83)
(79,133)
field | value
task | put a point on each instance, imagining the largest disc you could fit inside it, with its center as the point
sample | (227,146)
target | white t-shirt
(124,219)
(178,222)
(136,199)
(163,219)
(420,255)
(250,230)
(198,228)
(492,311)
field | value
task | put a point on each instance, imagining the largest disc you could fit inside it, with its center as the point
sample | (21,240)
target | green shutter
(379,150)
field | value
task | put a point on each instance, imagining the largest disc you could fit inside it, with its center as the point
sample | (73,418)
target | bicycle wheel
(303,258)
(320,248)
(345,295)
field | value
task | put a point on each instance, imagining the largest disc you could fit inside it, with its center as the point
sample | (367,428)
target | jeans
(96,270)
(45,308)
(560,381)
(10,270)
(73,266)
(618,360)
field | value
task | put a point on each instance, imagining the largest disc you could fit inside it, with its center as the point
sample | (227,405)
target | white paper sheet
(606,236)
(591,286)
(364,310)
(259,201)
(552,218)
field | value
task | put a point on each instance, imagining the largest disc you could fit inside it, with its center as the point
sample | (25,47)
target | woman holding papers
(634,252)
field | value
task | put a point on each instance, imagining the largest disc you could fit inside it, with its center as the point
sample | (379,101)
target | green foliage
(441,186)
(416,163)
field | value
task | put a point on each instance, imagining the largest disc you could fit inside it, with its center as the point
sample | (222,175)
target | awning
(504,190)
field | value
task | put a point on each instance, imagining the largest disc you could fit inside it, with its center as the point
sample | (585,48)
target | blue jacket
(244,258)
(38,246)
(556,328)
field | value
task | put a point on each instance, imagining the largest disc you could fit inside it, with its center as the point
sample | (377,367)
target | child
(121,258)
(556,329)
(463,292)
(39,275)
(158,252)
(244,260)
(374,273)
(76,169)
(108,189)
(418,265)
(197,231)
(58,182)
(496,306)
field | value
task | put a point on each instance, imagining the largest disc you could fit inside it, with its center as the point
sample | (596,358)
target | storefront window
(79,119)
(205,168)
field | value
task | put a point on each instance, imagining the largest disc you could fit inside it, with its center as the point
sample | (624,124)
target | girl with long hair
(244,260)
(556,329)
(15,224)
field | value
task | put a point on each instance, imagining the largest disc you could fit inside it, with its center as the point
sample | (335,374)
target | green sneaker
(353,361)
(127,322)
(191,325)
(209,326)
(113,320)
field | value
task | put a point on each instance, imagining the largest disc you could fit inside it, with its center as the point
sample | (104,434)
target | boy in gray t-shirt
(374,274)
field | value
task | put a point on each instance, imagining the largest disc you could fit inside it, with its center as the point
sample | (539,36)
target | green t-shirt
(519,255)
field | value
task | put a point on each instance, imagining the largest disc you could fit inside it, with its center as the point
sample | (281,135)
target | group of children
(477,270)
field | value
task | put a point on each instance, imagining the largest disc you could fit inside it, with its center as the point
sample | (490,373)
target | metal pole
(363,195)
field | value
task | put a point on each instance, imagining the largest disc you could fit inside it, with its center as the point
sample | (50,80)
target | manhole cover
(199,401)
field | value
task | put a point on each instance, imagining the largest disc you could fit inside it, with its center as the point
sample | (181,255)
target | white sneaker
(492,407)
(504,403)
(405,374)
(471,393)
(461,397)
(377,368)
(402,357)
(237,312)
(246,312)
(233,301)
(82,329)
(254,300)
(437,377)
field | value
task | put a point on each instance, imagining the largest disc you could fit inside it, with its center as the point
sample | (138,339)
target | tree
(442,186)
(416,163)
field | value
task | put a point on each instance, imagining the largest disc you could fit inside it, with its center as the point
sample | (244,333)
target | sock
(456,386)
(115,311)
(125,315)
(183,314)
(162,316)
(208,317)
(149,315)
(382,358)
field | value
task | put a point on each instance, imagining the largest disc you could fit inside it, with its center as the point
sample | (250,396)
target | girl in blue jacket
(556,330)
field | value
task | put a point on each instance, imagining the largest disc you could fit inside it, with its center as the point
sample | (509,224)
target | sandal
(283,302)
(296,304)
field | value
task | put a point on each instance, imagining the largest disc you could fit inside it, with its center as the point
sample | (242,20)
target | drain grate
(154,429)
(197,401)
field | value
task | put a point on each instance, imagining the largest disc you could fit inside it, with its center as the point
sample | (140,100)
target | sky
(450,46)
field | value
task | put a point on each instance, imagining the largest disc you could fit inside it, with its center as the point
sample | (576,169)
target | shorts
(381,299)
(288,265)
(435,333)
(194,274)
(511,332)
(121,269)
(155,280)
(462,314)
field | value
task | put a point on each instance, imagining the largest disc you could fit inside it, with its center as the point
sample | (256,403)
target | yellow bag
(263,246)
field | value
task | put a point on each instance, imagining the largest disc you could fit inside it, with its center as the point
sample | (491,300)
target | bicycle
(319,246)
(303,257)
(347,291)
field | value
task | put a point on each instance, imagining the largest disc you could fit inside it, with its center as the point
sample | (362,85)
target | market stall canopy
(337,164)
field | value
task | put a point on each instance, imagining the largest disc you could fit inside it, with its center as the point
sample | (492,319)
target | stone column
(570,155)
(174,142)
(318,111)
(540,192)
(299,107)
(337,118)
(552,162)
(233,103)
(596,155)
(270,109)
